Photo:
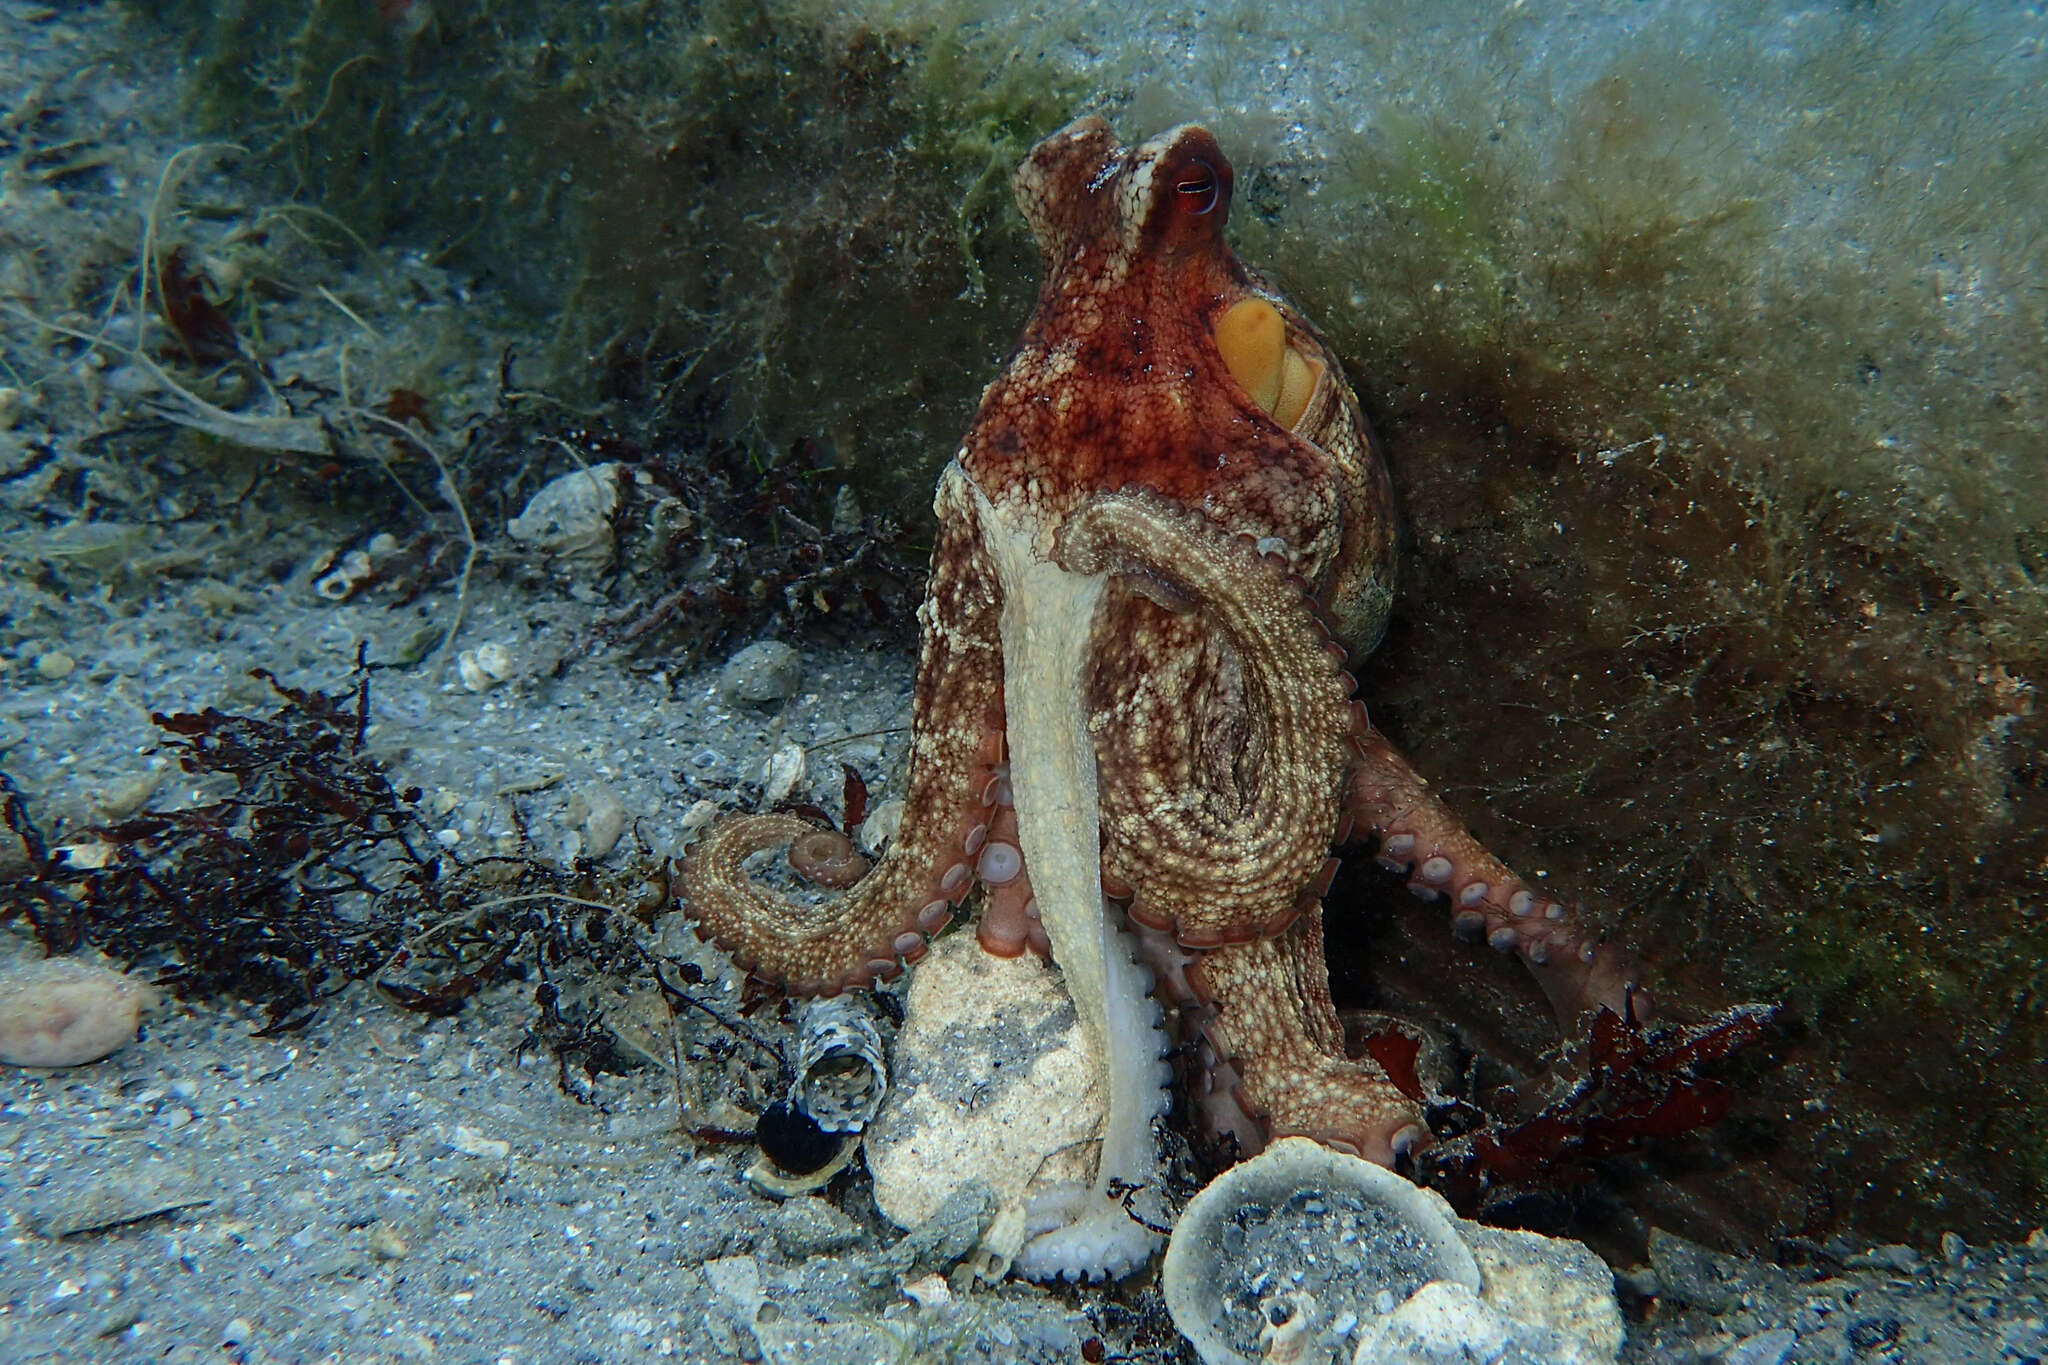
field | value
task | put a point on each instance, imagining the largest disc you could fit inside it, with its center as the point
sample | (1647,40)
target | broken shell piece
(484,667)
(569,521)
(64,1012)
(840,1076)
(1288,1328)
(884,818)
(604,820)
(846,513)
(339,583)
(1311,1220)
(796,1156)
(781,774)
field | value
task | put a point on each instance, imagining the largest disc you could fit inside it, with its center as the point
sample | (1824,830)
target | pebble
(808,1226)
(65,1012)
(1765,1348)
(469,1142)
(124,796)
(765,671)
(605,822)
(569,521)
(386,1244)
(1894,1256)
(55,664)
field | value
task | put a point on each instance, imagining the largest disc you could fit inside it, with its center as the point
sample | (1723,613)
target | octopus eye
(1196,188)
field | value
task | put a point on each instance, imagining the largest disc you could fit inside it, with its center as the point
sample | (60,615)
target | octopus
(1166,532)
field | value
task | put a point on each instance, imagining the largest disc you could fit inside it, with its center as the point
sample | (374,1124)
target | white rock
(1444,1321)
(993,1082)
(569,521)
(64,1012)
(1550,1282)
(765,671)
(781,774)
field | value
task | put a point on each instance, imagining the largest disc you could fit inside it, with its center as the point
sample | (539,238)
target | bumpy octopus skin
(1165,532)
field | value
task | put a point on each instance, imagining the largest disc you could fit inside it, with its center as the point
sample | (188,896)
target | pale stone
(469,1142)
(765,671)
(569,521)
(603,822)
(1551,1282)
(1444,1321)
(994,1082)
(64,1012)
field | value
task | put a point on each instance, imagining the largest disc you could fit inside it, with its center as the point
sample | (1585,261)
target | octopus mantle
(1165,532)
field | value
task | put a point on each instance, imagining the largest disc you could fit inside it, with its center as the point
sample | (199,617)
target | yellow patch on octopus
(1253,339)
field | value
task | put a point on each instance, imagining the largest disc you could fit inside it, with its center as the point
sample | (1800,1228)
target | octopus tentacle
(1048,627)
(1271,1023)
(1419,835)
(1225,860)
(956,755)
(1009,921)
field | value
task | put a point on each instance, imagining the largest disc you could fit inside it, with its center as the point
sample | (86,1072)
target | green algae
(791,220)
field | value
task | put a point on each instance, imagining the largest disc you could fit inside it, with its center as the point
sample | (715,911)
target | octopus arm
(1227,861)
(1270,1018)
(1419,835)
(886,919)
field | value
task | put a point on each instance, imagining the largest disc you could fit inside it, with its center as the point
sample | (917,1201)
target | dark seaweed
(313,871)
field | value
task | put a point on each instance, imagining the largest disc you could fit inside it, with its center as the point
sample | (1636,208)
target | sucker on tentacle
(1419,835)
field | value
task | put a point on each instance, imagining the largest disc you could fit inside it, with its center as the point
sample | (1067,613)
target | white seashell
(339,583)
(781,774)
(884,818)
(484,667)
(570,519)
(840,1075)
(64,1012)
(87,855)
(698,818)
(1409,1237)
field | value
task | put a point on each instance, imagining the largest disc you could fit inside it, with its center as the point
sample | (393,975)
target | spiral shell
(840,1074)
